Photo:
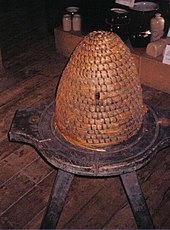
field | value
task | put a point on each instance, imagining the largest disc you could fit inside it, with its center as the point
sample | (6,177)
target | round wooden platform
(107,161)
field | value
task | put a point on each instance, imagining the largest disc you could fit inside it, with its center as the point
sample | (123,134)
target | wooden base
(57,199)
(131,186)
(34,126)
(137,201)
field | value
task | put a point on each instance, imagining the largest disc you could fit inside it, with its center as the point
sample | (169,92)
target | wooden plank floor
(32,72)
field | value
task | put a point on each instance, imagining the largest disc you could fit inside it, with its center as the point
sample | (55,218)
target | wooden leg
(137,201)
(57,199)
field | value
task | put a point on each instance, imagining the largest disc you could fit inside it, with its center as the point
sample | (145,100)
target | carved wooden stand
(35,127)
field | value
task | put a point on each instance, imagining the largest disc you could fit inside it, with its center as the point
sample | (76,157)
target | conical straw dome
(99,97)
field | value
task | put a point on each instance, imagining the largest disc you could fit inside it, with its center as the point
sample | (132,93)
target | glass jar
(66,22)
(76,22)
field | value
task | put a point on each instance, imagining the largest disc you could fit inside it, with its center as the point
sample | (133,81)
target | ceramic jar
(157,27)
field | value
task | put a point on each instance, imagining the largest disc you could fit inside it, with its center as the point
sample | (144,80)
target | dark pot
(141,14)
(118,21)
(140,38)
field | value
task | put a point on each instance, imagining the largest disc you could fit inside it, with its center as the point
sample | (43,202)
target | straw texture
(99,97)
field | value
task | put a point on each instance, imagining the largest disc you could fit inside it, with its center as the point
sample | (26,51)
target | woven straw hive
(99,97)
